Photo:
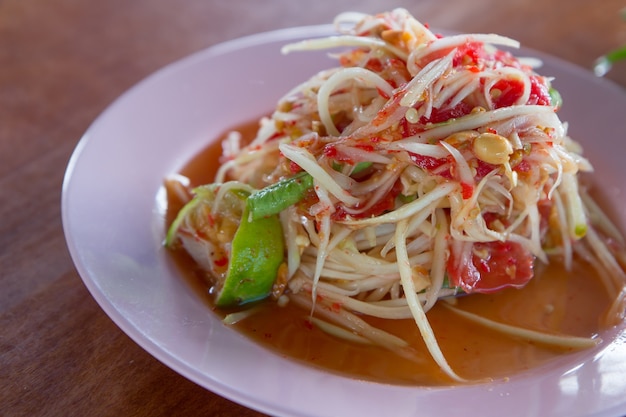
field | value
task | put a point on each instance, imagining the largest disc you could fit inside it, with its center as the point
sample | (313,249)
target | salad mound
(419,169)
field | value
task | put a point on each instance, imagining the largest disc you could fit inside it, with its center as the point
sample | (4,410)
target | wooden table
(61,63)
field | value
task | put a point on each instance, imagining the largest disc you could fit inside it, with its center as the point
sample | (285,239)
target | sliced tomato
(491,266)
(539,92)
(506,92)
(469,54)
(439,116)
(427,163)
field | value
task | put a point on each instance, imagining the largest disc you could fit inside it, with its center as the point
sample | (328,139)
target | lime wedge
(241,255)
(257,252)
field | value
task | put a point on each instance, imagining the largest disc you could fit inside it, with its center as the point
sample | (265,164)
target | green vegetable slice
(257,252)
(277,197)
(241,254)
(556,100)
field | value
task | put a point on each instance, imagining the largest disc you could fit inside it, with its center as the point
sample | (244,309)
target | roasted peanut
(492,148)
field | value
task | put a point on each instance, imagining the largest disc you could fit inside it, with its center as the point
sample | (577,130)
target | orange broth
(555,301)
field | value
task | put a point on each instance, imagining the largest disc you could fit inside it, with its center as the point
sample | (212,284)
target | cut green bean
(555,98)
(360,167)
(277,197)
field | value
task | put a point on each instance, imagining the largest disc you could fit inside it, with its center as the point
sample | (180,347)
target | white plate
(113,220)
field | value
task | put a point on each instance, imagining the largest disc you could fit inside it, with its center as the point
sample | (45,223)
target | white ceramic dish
(113,220)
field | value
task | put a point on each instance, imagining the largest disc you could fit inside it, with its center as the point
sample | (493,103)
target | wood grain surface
(61,63)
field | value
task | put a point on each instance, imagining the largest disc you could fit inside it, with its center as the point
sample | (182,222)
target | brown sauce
(554,301)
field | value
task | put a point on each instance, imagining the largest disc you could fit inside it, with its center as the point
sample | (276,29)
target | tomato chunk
(506,92)
(491,266)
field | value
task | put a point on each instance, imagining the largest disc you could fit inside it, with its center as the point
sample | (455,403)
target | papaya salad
(420,169)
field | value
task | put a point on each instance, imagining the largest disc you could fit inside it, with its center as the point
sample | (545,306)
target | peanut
(492,148)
